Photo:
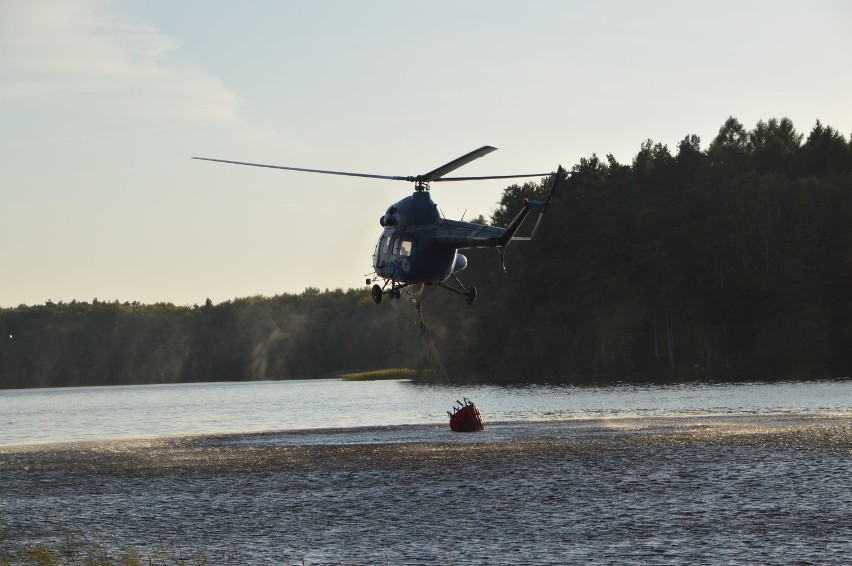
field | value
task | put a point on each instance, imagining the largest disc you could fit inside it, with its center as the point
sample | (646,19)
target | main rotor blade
(492,177)
(436,175)
(455,164)
(348,174)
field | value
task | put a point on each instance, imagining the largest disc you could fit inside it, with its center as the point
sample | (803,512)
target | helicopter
(418,247)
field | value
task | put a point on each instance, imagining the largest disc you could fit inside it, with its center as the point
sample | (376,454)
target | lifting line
(438,369)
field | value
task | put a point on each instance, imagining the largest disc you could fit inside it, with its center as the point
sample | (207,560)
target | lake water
(331,472)
(86,413)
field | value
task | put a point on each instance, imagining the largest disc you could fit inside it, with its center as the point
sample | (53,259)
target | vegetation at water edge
(380,374)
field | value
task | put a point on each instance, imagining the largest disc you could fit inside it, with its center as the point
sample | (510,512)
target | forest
(732,262)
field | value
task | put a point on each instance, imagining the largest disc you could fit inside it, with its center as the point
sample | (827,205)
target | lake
(86,413)
(325,471)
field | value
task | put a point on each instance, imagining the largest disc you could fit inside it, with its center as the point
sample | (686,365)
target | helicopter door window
(405,247)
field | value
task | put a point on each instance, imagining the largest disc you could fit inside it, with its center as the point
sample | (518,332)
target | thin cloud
(49,52)
(130,132)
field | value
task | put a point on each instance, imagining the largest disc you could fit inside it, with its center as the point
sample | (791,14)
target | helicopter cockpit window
(385,245)
(405,248)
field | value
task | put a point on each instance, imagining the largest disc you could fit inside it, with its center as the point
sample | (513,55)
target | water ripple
(698,490)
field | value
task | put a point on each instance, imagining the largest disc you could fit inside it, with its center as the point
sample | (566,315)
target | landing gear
(395,291)
(468,292)
(377,292)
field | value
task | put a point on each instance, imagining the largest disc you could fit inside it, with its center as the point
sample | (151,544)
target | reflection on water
(67,414)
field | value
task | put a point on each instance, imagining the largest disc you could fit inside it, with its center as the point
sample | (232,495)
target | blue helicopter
(418,247)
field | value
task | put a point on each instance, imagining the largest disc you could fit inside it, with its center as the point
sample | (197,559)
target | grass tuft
(90,550)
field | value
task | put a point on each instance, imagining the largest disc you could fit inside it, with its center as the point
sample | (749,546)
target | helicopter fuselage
(407,250)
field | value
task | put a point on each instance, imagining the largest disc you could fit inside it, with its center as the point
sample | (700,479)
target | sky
(104,102)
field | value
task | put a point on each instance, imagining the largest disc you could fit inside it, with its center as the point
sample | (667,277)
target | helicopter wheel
(471,295)
(377,294)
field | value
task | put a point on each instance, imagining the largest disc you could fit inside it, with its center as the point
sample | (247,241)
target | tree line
(312,334)
(730,262)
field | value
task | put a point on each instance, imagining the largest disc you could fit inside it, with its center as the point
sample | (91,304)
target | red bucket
(466,417)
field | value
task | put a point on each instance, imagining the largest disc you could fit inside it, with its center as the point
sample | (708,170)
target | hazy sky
(102,104)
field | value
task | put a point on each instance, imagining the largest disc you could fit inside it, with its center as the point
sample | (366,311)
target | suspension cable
(438,370)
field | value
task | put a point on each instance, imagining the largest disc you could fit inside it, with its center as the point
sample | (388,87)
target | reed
(87,555)
(379,374)
(91,549)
